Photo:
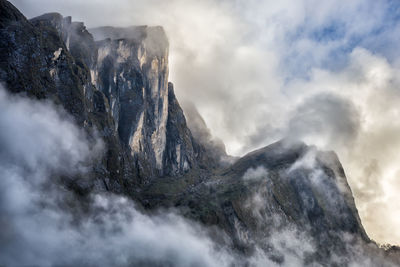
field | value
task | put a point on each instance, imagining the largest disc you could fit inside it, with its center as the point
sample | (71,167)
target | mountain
(117,86)
(114,83)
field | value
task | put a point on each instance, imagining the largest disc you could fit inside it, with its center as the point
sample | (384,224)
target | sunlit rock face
(132,72)
(134,77)
(122,72)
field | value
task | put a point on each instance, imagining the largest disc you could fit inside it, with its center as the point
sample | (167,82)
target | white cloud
(255,174)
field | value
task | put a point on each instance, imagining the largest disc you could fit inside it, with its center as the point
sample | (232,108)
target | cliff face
(114,83)
(123,76)
(132,71)
(134,78)
(35,60)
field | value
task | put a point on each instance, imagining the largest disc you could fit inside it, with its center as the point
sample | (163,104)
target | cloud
(202,134)
(255,174)
(325,119)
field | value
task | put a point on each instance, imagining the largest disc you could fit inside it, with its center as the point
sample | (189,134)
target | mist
(257,71)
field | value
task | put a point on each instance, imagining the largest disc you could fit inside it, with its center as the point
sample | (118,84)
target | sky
(326,72)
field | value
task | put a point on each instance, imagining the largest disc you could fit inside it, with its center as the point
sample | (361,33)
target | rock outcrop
(117,85)
(132,71)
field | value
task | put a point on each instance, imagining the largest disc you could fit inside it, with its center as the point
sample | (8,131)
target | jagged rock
(180,145)
(118,86)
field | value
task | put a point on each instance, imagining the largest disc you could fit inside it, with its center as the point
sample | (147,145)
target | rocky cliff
(114,83)
(117,86)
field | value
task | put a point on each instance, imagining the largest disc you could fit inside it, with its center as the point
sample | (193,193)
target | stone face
(127,70)
(182,150)
(132,71)
(135,83)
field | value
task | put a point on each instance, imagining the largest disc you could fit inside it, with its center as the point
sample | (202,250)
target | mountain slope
(286,188)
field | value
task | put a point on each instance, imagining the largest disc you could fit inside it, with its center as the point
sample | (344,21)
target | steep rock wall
(125,75)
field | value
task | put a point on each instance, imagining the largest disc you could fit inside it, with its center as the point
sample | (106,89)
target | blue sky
(374,26)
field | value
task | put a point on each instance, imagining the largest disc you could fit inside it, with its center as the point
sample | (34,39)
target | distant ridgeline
(114,83)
